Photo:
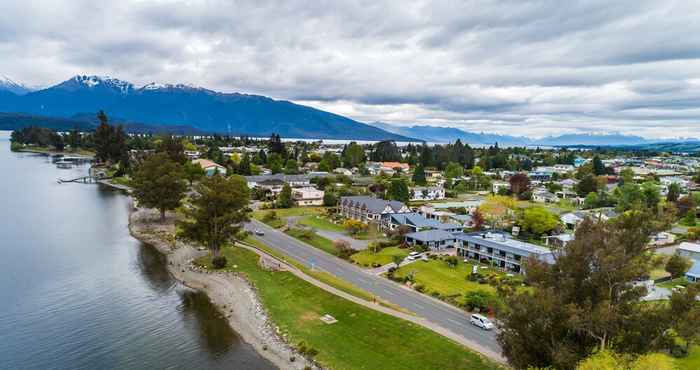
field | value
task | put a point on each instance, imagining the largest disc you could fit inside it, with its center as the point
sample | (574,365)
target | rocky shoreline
(232,295)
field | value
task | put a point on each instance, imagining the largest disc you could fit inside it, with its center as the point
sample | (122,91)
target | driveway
(437,312)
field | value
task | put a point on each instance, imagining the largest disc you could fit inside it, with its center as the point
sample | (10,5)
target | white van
(481,321)
(413,256)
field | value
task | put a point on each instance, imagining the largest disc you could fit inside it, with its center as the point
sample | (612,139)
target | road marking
(388,292)
(419,306)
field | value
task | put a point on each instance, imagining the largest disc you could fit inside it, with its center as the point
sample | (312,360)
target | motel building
(500,250)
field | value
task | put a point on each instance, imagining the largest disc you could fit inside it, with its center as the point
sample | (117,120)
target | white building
(427,193)
(308,196)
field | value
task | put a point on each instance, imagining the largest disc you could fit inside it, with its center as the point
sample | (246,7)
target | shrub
(343,248)
(269,216)
(219,262)
(419,287)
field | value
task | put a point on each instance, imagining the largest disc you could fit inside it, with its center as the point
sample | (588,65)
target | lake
(78,292)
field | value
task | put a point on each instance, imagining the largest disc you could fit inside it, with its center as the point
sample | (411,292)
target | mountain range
(164,106)
(437,134)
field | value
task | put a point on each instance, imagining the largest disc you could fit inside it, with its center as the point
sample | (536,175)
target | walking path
(377,307)
(355,244)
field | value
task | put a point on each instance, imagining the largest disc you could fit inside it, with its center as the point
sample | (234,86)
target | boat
(64,164)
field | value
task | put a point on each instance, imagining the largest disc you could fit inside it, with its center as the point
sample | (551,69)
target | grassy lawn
(371,234)
(436,276)
(361,339)
(314,240)
(670,284)
(289,212)
(367,258)
(320,223)
(692,362)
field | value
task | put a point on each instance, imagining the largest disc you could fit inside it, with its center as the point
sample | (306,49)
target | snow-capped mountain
(7,84)
(104,83)
(184,105)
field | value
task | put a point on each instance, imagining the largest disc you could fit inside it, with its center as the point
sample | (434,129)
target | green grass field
(367,258)
(320,223)
(361,339)
(436,276)
(692,362)
(315,240)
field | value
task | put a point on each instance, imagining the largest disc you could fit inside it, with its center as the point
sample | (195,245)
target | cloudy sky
(520,67)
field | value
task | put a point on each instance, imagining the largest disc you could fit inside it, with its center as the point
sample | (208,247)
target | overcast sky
(532,68)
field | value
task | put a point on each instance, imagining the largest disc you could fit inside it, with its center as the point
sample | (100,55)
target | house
(416,222)
(343,171)
(500,250)
(572,219)
(308,196)
(692,251)
(210,167)
(544,196)
(393,166)
(434,239)
(192,154)
(295,181)
(568,184)
(369,209)
(427,193)
(433,175)
(496,186)
(464,220)
(560,240)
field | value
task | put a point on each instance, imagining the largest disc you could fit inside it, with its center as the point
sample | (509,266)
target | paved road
(429,308)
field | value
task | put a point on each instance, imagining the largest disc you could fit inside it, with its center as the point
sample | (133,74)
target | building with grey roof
(369,209)
(434,239)
(500,250)
(417,222)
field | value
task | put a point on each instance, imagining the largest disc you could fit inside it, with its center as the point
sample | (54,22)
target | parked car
(481,321)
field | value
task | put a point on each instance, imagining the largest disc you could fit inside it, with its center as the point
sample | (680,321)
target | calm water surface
(78,292)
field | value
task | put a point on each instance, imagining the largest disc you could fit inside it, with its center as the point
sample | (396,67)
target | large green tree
(419,176)
(219,208)
(353,155)
(538,220)
(586,299)
(398,190)
(158,183)
(284,199)
(193,172)
(174,148)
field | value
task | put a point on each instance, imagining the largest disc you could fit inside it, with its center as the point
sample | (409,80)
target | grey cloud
(516,67)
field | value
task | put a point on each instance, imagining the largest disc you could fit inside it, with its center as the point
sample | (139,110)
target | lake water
(78,292)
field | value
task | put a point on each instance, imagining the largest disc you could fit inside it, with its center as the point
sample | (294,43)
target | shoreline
(232,295)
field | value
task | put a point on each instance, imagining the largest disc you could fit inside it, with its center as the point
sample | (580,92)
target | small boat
(64,164)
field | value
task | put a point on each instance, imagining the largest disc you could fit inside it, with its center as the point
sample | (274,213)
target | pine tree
(419,176)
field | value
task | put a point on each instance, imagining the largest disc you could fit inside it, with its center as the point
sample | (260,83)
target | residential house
(210,167)
(192,154)
(427,193)
(369,209)
(496,186)
(544,196)
(691,251)
(308,196)
(437,240)
(416,222)
(388,166)
(500,250)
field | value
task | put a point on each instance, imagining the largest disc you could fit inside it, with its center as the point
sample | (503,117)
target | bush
(419,287)
(343,247)
(219,262)
(269,216)
(678,351)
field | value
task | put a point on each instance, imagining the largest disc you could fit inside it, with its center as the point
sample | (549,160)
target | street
(435,311)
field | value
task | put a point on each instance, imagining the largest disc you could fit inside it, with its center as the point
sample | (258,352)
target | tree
(329,162)
(330,199)
(591,201)
(274,162)
(218,211)
(586,299)
(385,151)
(454,170)
(538,220)
(419,176)
(478,220)
(354,227)
(651,195)
(519,183)
(674,192)
(398,190)
(353,155)
(102,138)
(609,360)
(284,199)
(397,259)
(193,172)
(244,167)
(598,166)
(452,261)
(158,183)
(686,313)
(685,204)
(677,265)
(626,176)
(587,185)
(174,148)
(291,167)
(690,218)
